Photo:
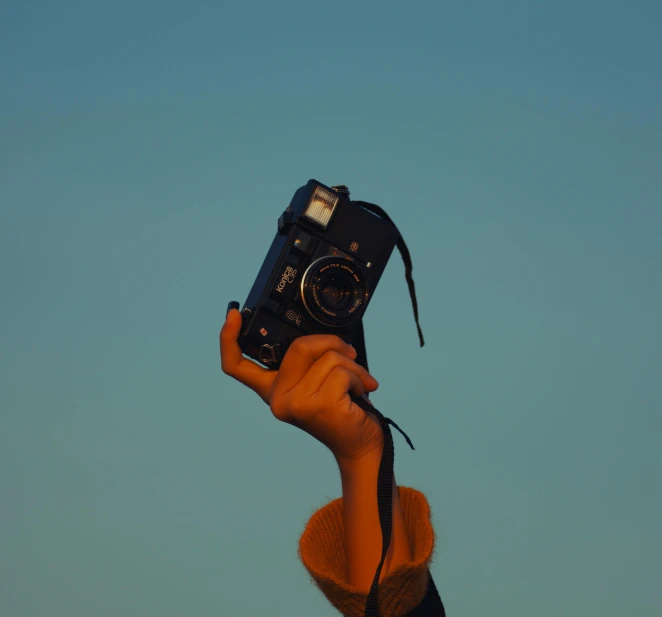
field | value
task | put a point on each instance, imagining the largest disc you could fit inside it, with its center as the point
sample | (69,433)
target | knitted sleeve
(322,551)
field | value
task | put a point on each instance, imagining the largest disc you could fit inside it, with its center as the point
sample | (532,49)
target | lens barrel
(334,291)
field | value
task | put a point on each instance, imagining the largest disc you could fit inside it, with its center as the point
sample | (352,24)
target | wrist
(362,525)
(365,466)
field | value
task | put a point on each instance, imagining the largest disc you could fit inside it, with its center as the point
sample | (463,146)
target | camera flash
(321,207)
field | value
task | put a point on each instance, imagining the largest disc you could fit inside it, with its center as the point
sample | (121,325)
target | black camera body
(318,276)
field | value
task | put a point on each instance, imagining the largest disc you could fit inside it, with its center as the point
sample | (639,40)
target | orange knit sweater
(322,551)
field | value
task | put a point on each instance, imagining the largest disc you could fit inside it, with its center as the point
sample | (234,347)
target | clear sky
(146,151)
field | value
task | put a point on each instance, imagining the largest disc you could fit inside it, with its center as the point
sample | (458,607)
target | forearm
(363,536)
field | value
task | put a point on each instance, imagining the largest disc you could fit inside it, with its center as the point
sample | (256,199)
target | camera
(319,274)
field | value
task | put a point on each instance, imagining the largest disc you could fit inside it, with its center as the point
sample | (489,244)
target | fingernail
(232,305)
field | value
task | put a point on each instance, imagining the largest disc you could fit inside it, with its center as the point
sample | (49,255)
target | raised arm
(363,538)
(311,391)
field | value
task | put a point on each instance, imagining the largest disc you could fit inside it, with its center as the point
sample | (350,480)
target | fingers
(303,353)
(234,364)
(339,382)
(321,368)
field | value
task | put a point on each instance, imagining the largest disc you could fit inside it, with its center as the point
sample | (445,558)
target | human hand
(311,389)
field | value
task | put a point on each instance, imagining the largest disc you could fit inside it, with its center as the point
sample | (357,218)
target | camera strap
(431,606)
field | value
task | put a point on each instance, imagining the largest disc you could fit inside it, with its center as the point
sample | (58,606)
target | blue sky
(146,152)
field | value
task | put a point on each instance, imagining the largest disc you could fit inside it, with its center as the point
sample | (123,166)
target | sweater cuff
(322,551)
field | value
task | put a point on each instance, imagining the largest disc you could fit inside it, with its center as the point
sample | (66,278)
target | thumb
(233,322)
(234,364)
(230,333)
(231,305)
(231,328)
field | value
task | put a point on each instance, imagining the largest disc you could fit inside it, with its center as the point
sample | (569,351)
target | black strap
(406,258)
(359,345)
(431,606)
(384,500)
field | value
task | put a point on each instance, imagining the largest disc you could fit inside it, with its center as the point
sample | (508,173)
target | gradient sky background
(146,151)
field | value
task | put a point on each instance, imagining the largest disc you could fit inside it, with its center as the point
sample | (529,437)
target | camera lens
(334,291)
